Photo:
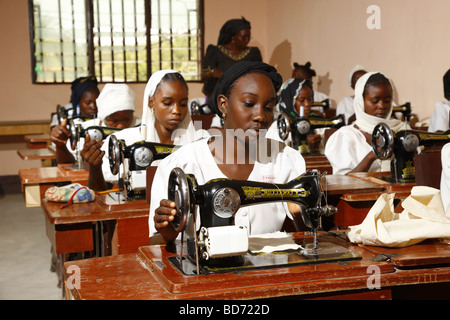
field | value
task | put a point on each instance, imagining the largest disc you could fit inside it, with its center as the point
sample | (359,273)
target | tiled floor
(24,253)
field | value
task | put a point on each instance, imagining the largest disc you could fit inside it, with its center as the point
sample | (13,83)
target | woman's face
(305,98)
(378,100)
(250,105)
(242,38)
(120,119)
(88,105)
(170,104)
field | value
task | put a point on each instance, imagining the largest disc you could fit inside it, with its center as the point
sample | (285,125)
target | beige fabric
(423,218)
(271,242)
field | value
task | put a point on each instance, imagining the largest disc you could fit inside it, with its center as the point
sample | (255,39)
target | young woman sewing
(244,97)
(349,149)
(165,120)
(82,104)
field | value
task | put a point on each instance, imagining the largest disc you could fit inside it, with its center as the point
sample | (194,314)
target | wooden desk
(35,181)
(148,275)
(319,162)
(37,141)
(354,206)
(99,227)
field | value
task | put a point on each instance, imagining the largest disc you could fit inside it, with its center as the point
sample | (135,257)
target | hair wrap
(289,92)
(115,97)
(238,70)
(79,86)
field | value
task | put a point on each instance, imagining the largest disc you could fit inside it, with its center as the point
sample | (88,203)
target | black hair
(171,77)
(375,80)
(306,68)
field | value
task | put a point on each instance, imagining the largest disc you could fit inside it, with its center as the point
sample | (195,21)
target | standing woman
(244,97)
(165,119)
(349,149)
(232,47)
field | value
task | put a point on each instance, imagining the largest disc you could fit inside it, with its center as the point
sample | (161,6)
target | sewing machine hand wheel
(382,141)
(74,134)
(283,126)
(178,191)
(114,150)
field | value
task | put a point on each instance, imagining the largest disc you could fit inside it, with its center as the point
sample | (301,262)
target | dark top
(216,57)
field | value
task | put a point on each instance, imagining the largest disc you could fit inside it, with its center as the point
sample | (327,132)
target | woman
(296,97)
(244,98)
(82,105)
(165,120)
(232,47)
(440,119)
(349,149)
(445,178)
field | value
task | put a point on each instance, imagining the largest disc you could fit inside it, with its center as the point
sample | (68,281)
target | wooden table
(102,227)
(149,275)
(354,206)
(37,141)
(35,181)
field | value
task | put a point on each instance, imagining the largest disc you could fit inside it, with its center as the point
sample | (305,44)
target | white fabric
(423,218)
(196,158)
(347,147)
(115,97)
(272,242)
(439,120)
(367,122)
(345,107)
(445,178)
(186,129)
(355,69)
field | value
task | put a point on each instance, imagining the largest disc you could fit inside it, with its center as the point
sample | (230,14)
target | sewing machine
(197,108)
(325,104)
(300,127)
(404,109)
(135,159)
(220,245)
(401,147)
(64,114)
(77,131)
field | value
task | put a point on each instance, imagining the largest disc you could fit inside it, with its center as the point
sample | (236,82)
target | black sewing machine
(197,108)
(401,147)
(404,109)
(325,104)
(64,114)
(300,127)
(135,159)
(221,246)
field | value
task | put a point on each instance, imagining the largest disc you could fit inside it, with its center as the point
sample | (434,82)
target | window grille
(115,40)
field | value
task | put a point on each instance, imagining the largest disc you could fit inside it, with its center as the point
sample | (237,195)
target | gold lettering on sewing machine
(163,149)
(262,193)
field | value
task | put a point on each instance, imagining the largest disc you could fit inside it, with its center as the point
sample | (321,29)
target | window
(115,40)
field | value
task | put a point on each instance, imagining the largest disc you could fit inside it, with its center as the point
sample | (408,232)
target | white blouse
(195,158)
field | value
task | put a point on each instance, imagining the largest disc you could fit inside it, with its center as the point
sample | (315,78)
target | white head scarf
(365,121)
(185,132)
(113,98)
(352,72)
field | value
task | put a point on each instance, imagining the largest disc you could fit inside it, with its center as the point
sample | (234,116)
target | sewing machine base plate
(325,253)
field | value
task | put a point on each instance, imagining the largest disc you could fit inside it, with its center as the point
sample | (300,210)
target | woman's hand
(59,134)
(92,152)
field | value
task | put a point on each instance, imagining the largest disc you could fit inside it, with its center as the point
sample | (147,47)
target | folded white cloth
(423,218)
(271,242)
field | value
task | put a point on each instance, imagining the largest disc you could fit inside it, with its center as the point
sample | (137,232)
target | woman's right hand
(164,214)
(59,134)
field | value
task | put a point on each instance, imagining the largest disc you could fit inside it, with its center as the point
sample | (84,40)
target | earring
(152,111)
(224,115)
